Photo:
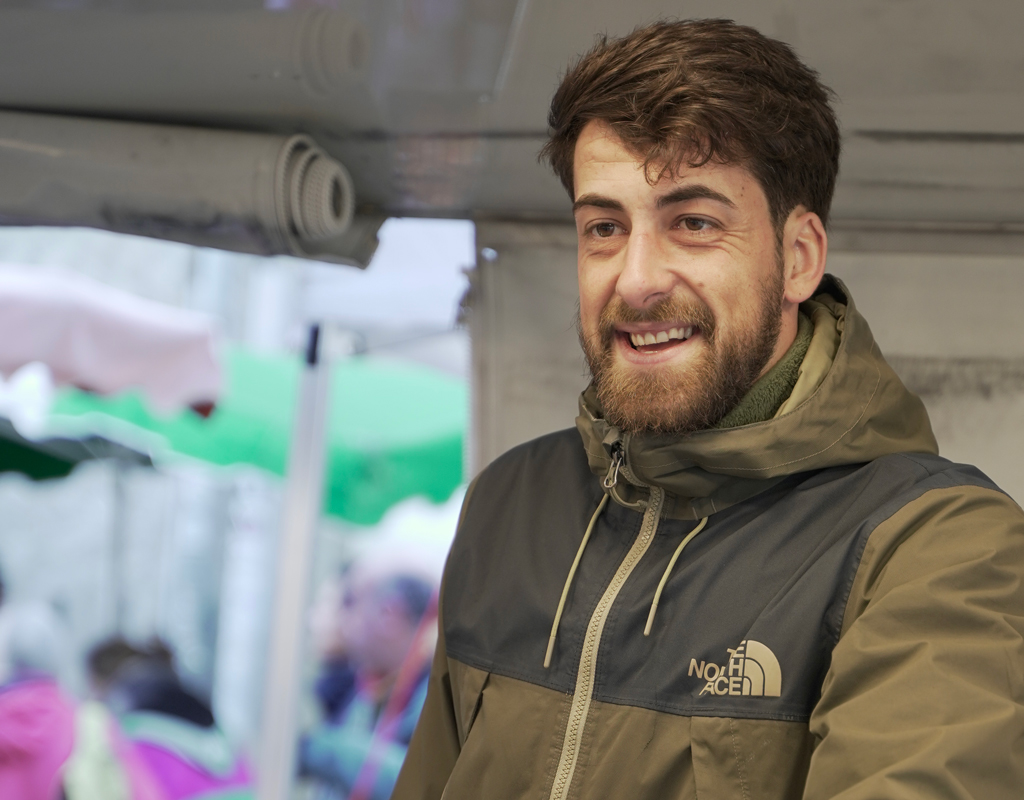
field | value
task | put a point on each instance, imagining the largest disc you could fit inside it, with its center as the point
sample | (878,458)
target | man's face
(681,286)
(378,631)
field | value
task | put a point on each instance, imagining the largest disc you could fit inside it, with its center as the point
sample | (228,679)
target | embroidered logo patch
(752,669)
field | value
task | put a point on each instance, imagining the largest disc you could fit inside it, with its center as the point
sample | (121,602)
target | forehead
(603,163)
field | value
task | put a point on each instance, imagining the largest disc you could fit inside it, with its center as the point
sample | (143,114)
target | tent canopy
(92,335)
(55,458)
(395,430)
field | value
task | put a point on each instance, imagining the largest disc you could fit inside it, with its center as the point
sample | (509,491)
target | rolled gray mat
(250,192)
(210,66)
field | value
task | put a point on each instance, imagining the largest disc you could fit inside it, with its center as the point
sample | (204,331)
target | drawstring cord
(668,570)
(568,580)
(609,482)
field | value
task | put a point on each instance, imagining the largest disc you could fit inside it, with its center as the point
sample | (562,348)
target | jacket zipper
(612,477)
(584,691)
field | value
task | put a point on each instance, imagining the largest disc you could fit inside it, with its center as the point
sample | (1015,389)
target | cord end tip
(547,655)
(650,620)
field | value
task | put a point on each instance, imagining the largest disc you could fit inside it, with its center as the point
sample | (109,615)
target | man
(754,577)
(386,621)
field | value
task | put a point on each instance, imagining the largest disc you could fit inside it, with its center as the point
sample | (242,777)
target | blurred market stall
(208,529)
(59,328)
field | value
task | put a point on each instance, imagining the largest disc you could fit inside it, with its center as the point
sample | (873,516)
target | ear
(805,249)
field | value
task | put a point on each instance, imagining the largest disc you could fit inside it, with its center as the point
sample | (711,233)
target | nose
(645,278)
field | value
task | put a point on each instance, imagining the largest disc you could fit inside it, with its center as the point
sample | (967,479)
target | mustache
(669,309)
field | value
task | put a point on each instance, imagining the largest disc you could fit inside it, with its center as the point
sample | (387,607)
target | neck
(788,328)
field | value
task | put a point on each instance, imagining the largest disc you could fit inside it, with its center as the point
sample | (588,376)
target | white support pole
(303,501)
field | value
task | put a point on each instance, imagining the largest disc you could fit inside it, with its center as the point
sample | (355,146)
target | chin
(658,399)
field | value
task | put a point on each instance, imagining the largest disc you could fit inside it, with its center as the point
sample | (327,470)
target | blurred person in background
(36,718)
(387,622)
(172,733)
(103,765)
(161,742)
(336,680)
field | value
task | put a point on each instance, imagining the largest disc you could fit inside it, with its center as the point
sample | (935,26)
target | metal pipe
(303,501)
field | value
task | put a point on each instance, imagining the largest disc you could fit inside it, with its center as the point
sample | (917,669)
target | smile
(648,338)
(654,344)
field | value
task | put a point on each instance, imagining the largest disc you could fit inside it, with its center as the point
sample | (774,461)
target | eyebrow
(697,191)
(597,201)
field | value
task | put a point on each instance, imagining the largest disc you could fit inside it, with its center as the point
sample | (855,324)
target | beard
(697,395)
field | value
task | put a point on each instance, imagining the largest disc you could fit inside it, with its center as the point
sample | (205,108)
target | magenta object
(181,779)
(37,731)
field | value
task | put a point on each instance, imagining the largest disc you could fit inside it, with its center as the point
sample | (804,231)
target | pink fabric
(37,732)
(106,340)
(141,784)
(180,780)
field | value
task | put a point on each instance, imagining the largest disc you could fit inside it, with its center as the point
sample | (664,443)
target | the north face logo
(752,670)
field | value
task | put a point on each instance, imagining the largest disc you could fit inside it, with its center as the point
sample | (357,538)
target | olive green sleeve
(924,697)
(435,743)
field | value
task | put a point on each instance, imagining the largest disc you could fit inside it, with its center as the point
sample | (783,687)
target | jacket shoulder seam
(948,485)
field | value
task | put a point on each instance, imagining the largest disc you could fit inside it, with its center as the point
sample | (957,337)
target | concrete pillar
(527,366)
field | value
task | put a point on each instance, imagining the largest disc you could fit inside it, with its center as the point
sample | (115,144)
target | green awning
(395,429)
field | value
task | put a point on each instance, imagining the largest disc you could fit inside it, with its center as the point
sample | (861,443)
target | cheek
(589,317)
(596,291)
(737,306)
(733,283)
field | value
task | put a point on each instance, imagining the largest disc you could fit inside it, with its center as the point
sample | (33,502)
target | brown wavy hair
(697,91)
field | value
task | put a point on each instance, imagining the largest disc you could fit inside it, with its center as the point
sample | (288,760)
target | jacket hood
(859,411)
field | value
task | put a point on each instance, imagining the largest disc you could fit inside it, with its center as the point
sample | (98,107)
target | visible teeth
(643,339)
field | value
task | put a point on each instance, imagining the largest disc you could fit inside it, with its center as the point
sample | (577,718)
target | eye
(695,224)
(604,229)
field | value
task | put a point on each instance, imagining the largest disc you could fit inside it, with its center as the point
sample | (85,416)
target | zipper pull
(612,477)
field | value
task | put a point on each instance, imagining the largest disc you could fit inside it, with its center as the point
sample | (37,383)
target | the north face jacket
(814,606)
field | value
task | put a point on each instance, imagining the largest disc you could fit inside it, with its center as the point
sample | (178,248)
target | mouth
(658,340)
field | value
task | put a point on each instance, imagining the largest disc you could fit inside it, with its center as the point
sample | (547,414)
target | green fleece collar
(771,390)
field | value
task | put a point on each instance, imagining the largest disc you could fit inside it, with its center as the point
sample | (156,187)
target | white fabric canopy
(105,340)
